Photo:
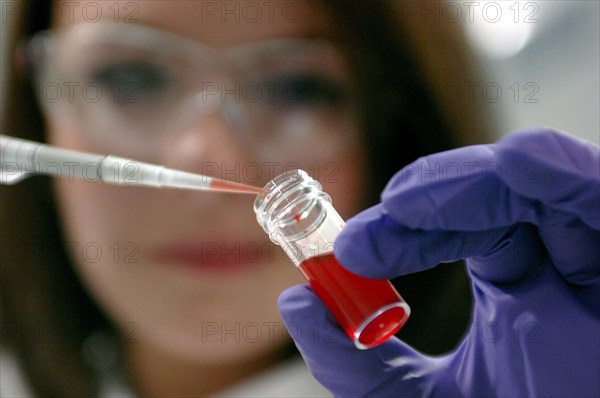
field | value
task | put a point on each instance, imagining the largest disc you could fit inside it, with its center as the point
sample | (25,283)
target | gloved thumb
(390,369)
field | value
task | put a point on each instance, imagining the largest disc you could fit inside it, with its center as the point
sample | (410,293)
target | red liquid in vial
(354,300)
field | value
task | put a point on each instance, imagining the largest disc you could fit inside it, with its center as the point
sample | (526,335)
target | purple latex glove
(525,213)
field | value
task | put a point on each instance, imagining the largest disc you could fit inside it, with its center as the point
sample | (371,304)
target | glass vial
(298,216)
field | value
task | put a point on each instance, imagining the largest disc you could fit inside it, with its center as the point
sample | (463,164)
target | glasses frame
(38,50)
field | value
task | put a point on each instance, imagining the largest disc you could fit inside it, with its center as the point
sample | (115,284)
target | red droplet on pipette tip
(297,217)
(234,187)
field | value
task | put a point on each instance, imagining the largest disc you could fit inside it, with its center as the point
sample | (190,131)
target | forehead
(218,24)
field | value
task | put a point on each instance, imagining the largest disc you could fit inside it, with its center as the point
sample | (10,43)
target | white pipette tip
(20,158)
(169,178)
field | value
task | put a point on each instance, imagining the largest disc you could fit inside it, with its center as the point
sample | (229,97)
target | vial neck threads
(297,215)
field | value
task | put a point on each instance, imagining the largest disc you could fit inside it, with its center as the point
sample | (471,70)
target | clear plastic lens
(134,84)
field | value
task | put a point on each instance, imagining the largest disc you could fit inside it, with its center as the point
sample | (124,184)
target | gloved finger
(347,371)
(564,171)
(573,248)
(374,245)
(542,177)
(566,177)
(538,176)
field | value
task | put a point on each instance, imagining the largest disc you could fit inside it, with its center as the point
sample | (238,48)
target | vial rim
(278,190)
(366,322)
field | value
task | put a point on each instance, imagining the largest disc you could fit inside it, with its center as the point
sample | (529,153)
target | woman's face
(190,273)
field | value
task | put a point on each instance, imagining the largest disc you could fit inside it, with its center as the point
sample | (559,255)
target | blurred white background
(544,56)
(542,60)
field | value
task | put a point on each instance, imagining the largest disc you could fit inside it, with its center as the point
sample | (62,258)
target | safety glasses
(129,87)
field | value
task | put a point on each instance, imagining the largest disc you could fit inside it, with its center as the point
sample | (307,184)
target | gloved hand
(525,213)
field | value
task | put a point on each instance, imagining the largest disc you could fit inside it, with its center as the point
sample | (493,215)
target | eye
(308,90)
(135,78)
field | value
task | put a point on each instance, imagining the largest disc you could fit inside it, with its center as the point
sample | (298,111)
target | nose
(207,140)
(204,140)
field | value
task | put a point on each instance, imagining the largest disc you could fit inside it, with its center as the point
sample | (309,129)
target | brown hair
(46,313)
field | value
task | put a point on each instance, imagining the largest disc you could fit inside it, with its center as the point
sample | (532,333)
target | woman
(86,263)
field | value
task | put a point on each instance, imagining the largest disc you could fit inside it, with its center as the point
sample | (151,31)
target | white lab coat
(290,379)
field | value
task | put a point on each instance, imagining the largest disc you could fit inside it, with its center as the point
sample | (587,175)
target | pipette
(21,158)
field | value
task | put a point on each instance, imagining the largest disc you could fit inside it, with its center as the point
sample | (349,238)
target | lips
(216,256)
